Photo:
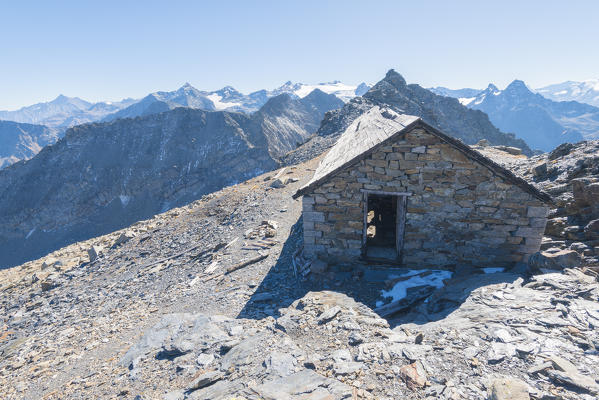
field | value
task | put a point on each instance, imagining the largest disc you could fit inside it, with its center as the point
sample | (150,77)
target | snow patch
(493,270)
(416,278)
(341,90)
(124,200)
(30,233)
(466,100)
(219,105)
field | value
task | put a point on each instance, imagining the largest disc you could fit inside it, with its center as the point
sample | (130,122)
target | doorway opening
(381,227)
(384,224)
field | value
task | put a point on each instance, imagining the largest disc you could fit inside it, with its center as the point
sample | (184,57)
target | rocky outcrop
(104,176)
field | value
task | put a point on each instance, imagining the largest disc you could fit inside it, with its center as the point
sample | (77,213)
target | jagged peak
(517,84)
(492,88)
(395,78)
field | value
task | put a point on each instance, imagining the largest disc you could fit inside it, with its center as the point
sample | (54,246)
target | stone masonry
(459,212)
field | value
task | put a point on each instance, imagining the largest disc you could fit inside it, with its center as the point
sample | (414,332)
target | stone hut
(397,189)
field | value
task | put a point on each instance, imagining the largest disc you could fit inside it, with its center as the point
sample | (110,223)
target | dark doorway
(381,227)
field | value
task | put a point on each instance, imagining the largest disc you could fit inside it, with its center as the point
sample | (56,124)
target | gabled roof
(380,126)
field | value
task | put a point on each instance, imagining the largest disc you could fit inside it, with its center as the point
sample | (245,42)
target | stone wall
(459,211)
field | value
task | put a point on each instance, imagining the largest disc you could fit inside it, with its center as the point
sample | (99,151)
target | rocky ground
(211,301)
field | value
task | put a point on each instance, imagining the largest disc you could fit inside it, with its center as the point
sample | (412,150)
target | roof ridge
(414,122)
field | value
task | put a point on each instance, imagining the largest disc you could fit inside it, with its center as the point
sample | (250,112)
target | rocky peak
(492,88)
(361,89)
(519,88)
(395,79)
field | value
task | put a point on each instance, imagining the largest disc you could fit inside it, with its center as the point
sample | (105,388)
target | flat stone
(280,364)
(583,382)
(206,379)
(347,367)
(509,389)
(556,260)
(305,384)
(328,315)
(204,359)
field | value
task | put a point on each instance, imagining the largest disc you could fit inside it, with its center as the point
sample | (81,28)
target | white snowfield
(220,105)
(586,91)
(343,91)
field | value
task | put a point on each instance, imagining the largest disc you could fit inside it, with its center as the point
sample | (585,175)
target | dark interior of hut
(381,225)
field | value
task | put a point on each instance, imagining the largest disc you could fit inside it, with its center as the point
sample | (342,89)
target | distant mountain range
(104,176)
(543,123)
(64,112)
(443,112)
(583,92)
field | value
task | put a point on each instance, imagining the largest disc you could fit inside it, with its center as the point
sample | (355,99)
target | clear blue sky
(107,50)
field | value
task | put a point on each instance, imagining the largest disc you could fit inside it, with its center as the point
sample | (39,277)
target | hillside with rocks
(104,176)
(213,301)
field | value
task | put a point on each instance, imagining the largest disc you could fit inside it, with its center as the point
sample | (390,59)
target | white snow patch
(493,270)
(466,100)
(124,200)
(560,93)
(417,278)
(219,104)
(341,90)
(30,233)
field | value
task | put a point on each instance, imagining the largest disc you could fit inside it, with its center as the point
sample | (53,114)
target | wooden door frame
(400,217)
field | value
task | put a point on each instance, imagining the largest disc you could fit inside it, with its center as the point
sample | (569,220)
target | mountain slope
(104,176)
(20,141)
(542,123)
(445,113)
(583,92)
(288,122)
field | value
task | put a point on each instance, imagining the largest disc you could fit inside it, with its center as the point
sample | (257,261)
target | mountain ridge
(541,122)
(104,175)
(445,113)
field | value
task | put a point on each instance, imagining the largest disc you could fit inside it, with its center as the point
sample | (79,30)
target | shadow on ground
(364,283)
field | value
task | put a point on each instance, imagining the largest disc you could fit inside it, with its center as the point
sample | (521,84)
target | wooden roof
(380,126)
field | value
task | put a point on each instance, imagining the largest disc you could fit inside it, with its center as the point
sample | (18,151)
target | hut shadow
(364,283)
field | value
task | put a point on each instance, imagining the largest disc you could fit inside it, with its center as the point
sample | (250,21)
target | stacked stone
(459,211)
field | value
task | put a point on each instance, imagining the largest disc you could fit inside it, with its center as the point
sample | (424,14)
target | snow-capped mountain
(63,112)
(341,90)
(466,93)
(230,99)
(583,92)
(541,122)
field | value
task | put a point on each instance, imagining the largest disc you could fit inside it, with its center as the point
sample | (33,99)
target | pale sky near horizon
(109,50)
